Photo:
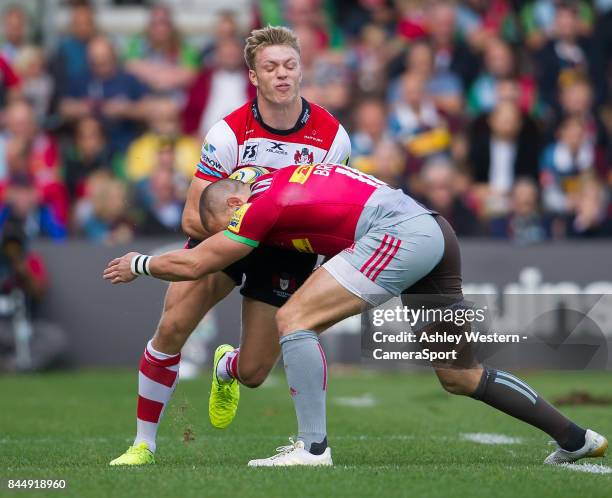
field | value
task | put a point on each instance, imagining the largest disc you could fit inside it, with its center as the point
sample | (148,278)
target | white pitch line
(591,468)
(490,438)
(364,401)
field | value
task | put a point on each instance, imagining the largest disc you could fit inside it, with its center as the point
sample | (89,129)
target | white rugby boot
(294,454)
(595,445)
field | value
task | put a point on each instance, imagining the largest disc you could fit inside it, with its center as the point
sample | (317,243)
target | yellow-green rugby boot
(224,396)
(135,455)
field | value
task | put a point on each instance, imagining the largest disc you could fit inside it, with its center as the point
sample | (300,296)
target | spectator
(603,33)
(568,56)
(450,54)
(353,16)
(442,86)
(164,129)
(417,123)
(437,181)
(525,223)
(163,207)
(577,102)
(23,201)
(102,215)
(386,162)
(369,58)
(160,58)
(563,163)
(37,156)
(107,92)
(217,90)
(412,24)
(369,128)
(226,28)
(591,210)
(70,61)
(500,67)
(325,74)
(87,154)
(309,14)
(538,19)
(504,145)
(15,29)
(480,21)
(23,285)
(9,83)
(36,83)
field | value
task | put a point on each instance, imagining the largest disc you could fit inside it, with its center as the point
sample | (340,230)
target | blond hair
(266,37)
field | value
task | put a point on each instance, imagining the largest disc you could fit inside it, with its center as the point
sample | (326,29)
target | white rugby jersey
(243,139)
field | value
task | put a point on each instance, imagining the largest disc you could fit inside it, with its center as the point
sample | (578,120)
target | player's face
(277,74)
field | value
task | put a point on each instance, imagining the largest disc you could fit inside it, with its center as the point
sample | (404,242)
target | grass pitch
(391,435)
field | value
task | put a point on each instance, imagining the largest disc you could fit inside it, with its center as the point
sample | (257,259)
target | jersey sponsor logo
(250,152)
(277,148)
(301,174)
(302,245)
(209,165)
(210,148)
(303,156)
(236,220)
(312,137)
(205,169)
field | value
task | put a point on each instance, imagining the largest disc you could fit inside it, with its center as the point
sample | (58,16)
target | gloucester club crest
(303,156)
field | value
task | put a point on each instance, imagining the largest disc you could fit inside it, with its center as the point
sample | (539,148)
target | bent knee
(459,382)
(287,320)
(253,378)
(169,328)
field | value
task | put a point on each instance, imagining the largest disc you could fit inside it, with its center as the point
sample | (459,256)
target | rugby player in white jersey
(277,129)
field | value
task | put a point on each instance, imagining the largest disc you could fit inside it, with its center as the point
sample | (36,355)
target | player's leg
(513,396)
(320,301)
(499,389)
(259,348)
(271,277)
(249,364)
(184,306)
(349,283)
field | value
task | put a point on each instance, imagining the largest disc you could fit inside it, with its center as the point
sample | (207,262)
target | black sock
(511,395)
(318,448)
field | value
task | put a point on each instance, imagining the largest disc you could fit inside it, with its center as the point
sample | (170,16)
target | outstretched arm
(212,255)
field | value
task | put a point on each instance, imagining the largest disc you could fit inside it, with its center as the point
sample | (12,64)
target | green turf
(68,426)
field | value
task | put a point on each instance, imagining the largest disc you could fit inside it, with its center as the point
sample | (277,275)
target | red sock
(157,380)
(232,365)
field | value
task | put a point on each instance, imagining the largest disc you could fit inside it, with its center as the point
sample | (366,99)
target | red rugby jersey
(243,139)
(305,208)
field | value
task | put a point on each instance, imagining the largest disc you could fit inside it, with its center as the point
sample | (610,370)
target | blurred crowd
(497,114)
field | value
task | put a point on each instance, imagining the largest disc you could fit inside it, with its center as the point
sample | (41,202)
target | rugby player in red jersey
(277,129)
(382,244)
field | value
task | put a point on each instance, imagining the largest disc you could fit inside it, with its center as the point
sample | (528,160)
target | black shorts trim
(269,274)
